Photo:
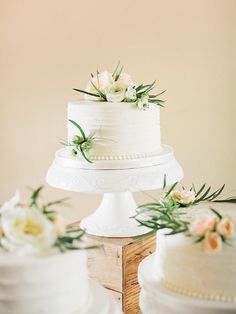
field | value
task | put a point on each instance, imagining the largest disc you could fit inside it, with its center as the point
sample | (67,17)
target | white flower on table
(202,224)
(226,228)
(184,197)
(212,243)
(27,230)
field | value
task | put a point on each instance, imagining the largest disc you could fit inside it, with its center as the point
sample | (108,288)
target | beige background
(50,46)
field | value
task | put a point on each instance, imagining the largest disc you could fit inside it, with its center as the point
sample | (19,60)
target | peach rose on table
(226,227)
(184,197)
(201,225)
(212,243)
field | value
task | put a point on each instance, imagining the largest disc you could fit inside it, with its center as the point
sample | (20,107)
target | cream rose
(143,103)
(27,230)
(202,224)
(125,81)
(212,243)
(115,93)
(184,197)
(226,228)
(102,81)
(130,94)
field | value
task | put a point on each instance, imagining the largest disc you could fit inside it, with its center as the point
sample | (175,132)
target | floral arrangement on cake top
(170,212)
(119,87)
(32,228)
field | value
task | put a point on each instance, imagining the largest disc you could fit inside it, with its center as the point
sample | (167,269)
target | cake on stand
(116,180)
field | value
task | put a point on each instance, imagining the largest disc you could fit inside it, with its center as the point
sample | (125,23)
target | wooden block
(115,263)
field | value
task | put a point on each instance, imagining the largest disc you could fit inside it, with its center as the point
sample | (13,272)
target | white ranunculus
(12,203)
(27,230)
(115,93)
(143,103)
(125,81)
(102,81)
(130,94)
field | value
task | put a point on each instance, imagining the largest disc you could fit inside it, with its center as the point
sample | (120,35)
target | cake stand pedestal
(113,217)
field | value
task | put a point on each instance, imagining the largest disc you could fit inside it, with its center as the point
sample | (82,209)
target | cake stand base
(113,217)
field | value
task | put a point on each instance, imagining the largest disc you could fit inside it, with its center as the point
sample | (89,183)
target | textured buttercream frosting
(184,267)
(124,131)
(49,283)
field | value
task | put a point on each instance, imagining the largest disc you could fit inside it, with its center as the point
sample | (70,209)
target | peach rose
(184,197)
(226,228)
(212,243)
(202,224)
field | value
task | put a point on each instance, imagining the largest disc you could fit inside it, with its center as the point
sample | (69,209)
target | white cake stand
(113,217)
(156,299)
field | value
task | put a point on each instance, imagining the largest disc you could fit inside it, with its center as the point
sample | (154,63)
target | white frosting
(46,284)
(126,132)
(184,267)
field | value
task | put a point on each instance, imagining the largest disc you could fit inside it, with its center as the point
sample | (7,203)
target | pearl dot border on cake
(205,296)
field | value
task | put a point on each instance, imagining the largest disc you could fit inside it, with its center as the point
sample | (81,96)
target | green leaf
(85,92)
(84,155)
(101,94)
(116,69)
(216,212)
(57,202)
(200,190)
(171,189)
(118,74)
(164,183)
(79,127)
(35,195)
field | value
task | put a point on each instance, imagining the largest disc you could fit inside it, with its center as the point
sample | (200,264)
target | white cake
(49,283)
(124,131)
(184,267)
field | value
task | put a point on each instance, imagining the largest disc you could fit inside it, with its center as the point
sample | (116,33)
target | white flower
(27,230)
(102,81)
(12,203)
(143,103)
(202,224)
(226,228)
(115,93)
(125,81)
(212,243)
(131,94)
(184,197)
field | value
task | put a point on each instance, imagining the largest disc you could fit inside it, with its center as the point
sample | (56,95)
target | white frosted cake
(185,267)
(44,284)
(118,120)
(42,269)
(124,131)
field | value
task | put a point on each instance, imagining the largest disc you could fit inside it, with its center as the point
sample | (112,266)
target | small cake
(195,254)
(118,120)
(42,270)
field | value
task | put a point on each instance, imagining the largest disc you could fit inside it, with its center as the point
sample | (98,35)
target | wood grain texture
(114,264)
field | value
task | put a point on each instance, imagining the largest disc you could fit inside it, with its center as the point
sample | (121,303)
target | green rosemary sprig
(80,143)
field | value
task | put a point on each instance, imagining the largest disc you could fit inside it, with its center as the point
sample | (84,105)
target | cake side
(47,283)
(122,131)
(184,267)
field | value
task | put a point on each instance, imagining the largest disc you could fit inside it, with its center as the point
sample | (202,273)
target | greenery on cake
(81,143)
(119,87)
(170,212)
(34,227)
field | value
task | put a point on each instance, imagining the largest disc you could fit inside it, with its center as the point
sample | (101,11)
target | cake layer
(122,130)
(184,267)
(46,284)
